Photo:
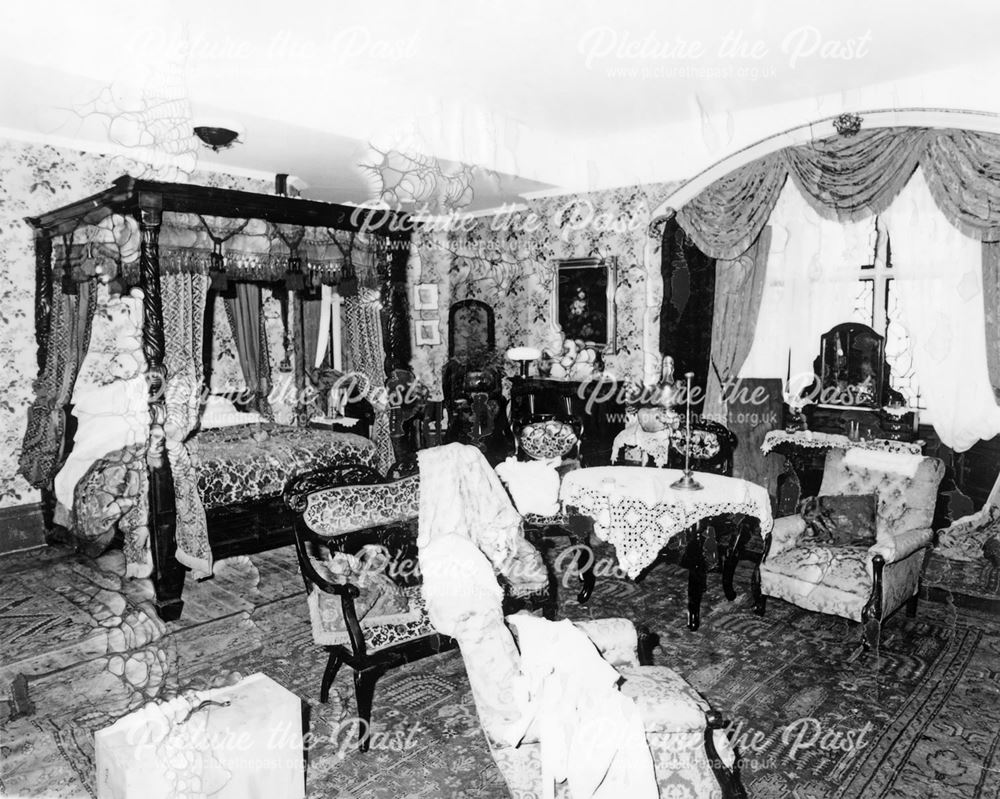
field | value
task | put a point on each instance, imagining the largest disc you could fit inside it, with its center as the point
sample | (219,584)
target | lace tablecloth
(815,440)
(637,511)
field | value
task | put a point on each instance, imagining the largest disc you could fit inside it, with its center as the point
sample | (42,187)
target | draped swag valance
(251,249)
(850,177)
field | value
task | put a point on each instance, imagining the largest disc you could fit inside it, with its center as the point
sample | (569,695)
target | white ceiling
(564,93)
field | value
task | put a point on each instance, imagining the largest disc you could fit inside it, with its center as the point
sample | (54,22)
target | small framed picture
(428,332)
(425,297)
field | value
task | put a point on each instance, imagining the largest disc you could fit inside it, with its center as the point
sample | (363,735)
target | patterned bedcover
(246,462)
(234,464)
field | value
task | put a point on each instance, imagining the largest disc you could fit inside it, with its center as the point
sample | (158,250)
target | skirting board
(21,527)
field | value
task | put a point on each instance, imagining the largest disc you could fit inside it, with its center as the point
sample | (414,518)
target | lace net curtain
(849,180)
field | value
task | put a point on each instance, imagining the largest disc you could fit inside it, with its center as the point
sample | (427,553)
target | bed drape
(245,312)
(69,338)
(184,297)
(365,355)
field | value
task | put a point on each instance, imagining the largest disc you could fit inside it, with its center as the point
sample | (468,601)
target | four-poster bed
(188,505)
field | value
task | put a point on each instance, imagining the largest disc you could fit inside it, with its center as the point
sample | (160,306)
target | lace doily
(639,525)
(774,438)
(652,445)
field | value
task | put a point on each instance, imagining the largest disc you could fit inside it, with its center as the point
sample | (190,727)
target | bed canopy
(175,243)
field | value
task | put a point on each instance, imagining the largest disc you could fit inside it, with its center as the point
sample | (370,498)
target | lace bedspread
(636,511)
(836,441)
(243,462)
(233,464)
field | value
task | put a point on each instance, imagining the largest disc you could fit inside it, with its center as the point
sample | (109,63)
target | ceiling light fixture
(216,137)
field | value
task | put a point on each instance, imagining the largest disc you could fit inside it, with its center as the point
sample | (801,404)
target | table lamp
(523,356)
(687,481)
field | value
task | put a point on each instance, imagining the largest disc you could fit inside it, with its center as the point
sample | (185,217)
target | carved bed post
(168,574)
(43,294)
(43,317)
(396,319)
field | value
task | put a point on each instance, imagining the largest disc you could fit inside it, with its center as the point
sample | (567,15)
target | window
(876,305)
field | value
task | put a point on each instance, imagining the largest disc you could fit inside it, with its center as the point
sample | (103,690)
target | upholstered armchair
(863,583)
(691,756)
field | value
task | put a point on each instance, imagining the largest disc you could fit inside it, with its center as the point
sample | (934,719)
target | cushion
(844,519)
(343,509)
(844,568)
(327,615)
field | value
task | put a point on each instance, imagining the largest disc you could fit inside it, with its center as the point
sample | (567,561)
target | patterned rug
(812,716)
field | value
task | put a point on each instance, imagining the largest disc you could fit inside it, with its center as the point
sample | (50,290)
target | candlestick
(687,482)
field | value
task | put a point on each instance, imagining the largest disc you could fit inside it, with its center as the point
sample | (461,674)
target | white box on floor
(239,742)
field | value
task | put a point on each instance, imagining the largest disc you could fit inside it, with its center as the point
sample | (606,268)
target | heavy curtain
(68,340)
(991,307)
(365,355)
(852,177)
(739,285)
(184,297)
(940,289)
(245,313)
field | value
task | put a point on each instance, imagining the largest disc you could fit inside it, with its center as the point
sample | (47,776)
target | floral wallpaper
(36,178)
(507,261)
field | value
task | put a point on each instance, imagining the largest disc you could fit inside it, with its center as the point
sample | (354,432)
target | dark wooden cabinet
(596,403)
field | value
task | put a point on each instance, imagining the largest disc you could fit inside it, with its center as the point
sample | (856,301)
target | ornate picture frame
(583,301)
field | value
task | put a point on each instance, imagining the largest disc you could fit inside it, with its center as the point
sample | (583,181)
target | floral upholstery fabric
(965,538)
(704,443)
(615,639)
(327,614)
(235,464)
(839,579)
(673,712)
(842,567)
(812,596)
(546,440)
(527,574)
(342,509)
(904,503)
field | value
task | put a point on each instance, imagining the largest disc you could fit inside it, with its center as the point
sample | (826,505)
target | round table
(637,511)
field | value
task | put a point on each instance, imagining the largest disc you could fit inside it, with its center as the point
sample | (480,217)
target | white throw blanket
(590,733)
(895,462)
(533,485)
(461,494)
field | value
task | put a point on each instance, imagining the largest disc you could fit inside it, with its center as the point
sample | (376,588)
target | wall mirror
(583,300)
(471,331)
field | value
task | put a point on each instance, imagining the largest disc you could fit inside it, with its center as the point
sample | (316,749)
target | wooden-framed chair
(712,447)
(351,510)
(547,437)
(343,509)
(862,583)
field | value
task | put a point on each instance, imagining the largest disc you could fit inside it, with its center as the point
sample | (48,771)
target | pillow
(840,520)
(218,404)
(213,420)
